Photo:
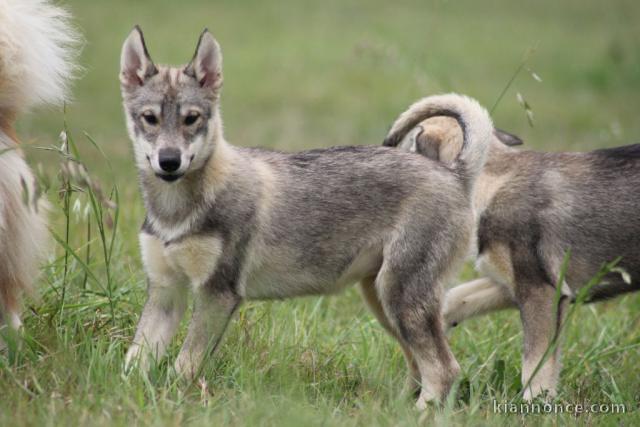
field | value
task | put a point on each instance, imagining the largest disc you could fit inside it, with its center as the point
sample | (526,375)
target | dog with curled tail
(531,208)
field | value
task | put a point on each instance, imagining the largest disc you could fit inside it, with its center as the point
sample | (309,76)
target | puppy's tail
(38,52)
(474,120)
(614,287)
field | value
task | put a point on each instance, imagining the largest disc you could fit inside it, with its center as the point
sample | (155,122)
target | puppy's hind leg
(412,306)
(475,298)
(540,323)
(371,298)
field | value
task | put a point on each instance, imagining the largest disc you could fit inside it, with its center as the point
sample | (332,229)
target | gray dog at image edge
(231,223)
(531,208)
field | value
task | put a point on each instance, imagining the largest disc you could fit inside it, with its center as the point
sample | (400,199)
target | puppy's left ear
(206,65)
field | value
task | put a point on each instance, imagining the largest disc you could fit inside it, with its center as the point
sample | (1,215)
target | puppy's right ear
(136,65)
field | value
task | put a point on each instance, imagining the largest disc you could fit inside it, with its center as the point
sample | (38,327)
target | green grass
(301,75)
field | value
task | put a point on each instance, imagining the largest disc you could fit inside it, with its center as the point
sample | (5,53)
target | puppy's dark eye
(191,118)
(150,118)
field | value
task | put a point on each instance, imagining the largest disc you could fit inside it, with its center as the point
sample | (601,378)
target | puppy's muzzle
(169,160)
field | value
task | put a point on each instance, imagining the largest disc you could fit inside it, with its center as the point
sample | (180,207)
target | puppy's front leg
(212,311)
(158,323)
(165,306)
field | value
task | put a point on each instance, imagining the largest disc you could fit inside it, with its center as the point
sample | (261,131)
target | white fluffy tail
(476,124)
(38,52)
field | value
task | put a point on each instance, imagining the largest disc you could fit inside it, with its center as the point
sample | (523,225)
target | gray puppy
(235,223)
(531,208)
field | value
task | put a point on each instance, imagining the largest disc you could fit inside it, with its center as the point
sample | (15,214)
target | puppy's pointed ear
(507,138)
(136,65)
(206,65)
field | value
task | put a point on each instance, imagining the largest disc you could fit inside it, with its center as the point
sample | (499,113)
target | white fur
(38,47)
(38,51)
(23,233)
(22,222)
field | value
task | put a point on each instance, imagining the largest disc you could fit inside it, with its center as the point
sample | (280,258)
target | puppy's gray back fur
(334,203)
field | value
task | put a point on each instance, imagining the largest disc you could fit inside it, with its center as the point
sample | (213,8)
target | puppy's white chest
(195,257)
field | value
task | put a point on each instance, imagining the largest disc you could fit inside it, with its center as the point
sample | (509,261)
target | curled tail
(474,120)
(38,52)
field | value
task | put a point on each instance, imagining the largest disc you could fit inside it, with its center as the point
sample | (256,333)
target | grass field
(301,75)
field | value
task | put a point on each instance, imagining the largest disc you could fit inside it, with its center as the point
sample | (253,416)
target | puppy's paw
(425,399)
(185,367)
(539,393)
(137,357)
(411,387)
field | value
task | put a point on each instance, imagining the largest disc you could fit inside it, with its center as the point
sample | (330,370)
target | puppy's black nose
(169,159)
